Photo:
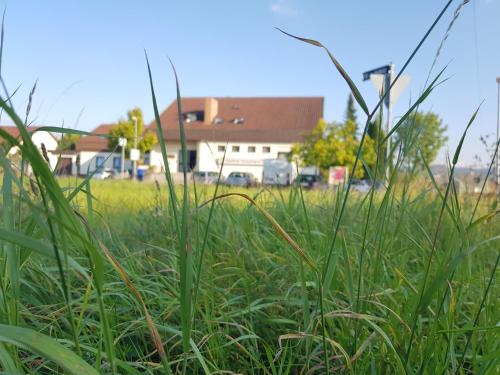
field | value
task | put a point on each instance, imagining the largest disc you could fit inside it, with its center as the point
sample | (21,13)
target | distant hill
(461,171)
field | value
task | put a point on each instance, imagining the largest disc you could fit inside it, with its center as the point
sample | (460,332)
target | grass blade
(355,92)
(46,347)
(185,251)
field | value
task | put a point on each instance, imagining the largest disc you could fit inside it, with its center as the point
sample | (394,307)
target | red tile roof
(14,130)
(93,142)
(274,119)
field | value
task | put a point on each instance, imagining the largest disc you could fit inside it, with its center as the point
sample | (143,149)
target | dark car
(241,179)
(309,181)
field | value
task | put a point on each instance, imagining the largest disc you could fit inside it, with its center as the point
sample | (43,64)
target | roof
(271,119)
(93,142)
(14,130)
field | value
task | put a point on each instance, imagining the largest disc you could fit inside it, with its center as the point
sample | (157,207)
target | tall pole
(123,160)
(497,166)
(383,78)
(134,173)
(388,82)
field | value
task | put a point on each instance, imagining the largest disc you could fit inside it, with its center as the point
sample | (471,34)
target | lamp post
(134,171)
(497,166)
(123,143)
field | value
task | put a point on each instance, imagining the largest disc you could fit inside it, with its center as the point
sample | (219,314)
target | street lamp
(134,170)
(122,142)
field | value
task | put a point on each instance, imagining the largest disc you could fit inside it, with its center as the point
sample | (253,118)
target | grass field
(118,277)
(256,307)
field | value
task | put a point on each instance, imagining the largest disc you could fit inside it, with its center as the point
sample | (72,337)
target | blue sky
(88,56)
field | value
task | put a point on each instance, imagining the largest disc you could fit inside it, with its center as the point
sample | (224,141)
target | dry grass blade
(456,14)
(123,275)
(151,325)
(281,232)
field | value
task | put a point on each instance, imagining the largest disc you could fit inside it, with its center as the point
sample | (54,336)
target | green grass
(123,277)
(250,315)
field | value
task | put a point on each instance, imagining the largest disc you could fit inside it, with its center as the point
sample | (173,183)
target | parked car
(310,170)
(364,186)
(206,177)
(309,181)
(104,174)
(241,179)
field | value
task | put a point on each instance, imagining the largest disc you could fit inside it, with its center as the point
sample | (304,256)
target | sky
(87,57)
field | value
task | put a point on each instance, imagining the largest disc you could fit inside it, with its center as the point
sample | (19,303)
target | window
(190,117)
(99,162)
(251,148)
(218,120)
(236,148)
(194,116)
(221,148)
(283,155)
(117,163)
(266,149)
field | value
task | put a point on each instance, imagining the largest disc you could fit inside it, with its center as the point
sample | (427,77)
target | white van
(278,172)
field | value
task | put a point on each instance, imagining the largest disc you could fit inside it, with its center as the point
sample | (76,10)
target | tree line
(419,138)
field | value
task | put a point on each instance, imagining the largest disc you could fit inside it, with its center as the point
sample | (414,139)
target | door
(64,166)
(117,163)
(191,160)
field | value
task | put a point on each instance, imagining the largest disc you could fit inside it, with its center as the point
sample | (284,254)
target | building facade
(93,153)
(246,130)
(40,138)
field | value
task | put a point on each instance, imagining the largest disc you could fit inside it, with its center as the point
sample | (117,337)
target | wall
(46,138)
(55,157)
(209,158)
(173,149)
(245,161)
(49,142)
(88,160)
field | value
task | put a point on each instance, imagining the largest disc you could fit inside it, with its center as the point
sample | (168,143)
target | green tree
(422,134)
(377,134)
(125,128)
(334,145)
(67,142)
(349,135)
(350,113)
(316,149)
(337,144)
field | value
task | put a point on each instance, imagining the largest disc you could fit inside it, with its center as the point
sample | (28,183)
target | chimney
(211,109)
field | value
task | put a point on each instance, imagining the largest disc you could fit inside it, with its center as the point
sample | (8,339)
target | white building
(92,152)
(249,130)
(40,138)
